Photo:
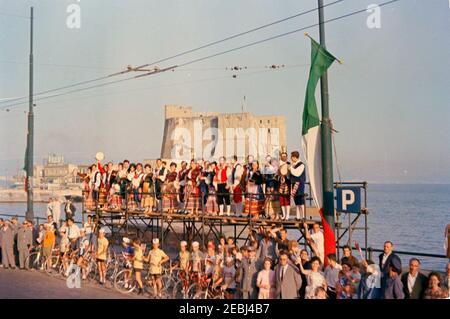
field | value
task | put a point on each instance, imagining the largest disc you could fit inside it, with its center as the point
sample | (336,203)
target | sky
(389,101)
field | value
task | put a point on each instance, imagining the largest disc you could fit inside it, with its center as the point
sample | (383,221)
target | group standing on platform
(224,188)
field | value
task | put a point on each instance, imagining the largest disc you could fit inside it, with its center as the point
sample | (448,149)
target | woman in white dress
(266,281)
(314,277)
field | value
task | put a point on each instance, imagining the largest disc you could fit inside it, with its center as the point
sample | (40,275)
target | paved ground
(26,284)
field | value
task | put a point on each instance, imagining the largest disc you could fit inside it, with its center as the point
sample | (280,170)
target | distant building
(57,172)
(210,135)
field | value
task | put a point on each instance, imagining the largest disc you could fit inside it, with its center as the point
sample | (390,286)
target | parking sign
(348,199)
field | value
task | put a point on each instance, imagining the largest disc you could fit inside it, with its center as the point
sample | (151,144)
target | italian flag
(321,60)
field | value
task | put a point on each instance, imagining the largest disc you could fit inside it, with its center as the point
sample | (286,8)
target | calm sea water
(412,216)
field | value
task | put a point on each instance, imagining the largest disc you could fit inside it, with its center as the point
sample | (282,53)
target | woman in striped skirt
(115,200)
(169,191)
(272,204)
(193,195)
(254,202)
(148,195)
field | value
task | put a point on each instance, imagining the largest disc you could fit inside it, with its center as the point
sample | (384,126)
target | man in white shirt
(317,236)
(414,282)
(331,274)
(72,231)
(298,179)
(96,180)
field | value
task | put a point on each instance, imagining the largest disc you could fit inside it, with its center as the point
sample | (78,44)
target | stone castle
(209,135)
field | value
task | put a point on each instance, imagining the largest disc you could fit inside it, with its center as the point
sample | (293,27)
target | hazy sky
(389,101)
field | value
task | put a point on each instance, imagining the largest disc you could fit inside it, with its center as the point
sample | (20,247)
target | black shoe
(140,291)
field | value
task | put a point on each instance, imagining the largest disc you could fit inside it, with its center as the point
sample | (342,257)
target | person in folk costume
(103,193)
(87,192)
(182,182)
(159,178)
(298,179)
(223,193)
(114,199)
(122,177)
(193,195)
(131,203)
(254,202)
(169,190)
(147,189)
(284,188)
(204,167)
(211,203)
(237,185)
(109,177)
(136,184)
(272,204)
(95,183)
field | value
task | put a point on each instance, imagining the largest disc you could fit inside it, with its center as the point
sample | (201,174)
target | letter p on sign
(348,199)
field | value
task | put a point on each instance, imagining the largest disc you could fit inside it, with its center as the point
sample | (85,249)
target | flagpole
(29,153)
(327,161)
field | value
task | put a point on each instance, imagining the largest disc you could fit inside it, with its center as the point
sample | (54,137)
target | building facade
(209,135)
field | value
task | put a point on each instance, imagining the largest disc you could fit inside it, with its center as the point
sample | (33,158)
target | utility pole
(327,160)
(29,153)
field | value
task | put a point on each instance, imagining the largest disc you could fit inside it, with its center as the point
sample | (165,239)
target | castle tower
(209,135)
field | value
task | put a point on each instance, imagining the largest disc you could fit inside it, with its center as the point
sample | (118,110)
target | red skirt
(237,194)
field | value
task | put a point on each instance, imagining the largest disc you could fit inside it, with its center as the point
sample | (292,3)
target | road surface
(23,284)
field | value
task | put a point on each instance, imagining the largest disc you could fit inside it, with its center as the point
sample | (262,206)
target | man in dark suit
(414,282)
(386,259)
(288,279)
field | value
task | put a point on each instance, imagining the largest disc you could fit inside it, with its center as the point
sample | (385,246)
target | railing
(371,250)
(37,220)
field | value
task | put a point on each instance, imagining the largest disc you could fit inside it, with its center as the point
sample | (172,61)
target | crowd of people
(270,266)
(274,267)
(219,188)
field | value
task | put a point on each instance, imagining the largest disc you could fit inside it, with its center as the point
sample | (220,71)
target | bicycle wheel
(35,261)
(168,283)
(180,291)
(53,270)
(195,292)
(92,271)
(124,282)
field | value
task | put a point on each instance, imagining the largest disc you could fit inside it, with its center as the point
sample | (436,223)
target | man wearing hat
(69,208)
(7,245)
(393,287)
(184,256)
(156,257)
(24,243)
(250,267)
(102,254)
(197,258)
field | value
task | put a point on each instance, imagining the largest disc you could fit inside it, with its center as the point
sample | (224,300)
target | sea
(412,216)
